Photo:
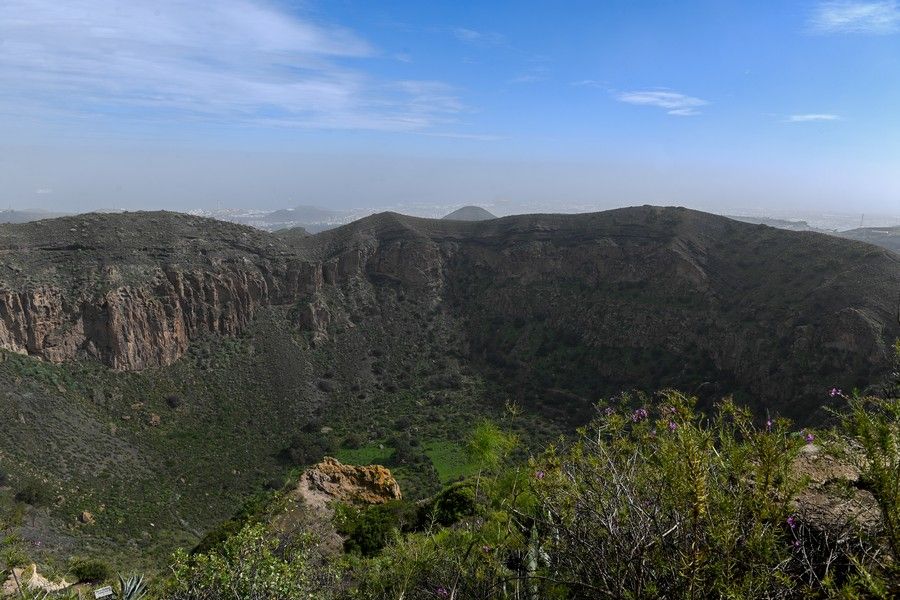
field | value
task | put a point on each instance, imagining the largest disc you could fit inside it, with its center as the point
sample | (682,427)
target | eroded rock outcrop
(332,481)
(30,580)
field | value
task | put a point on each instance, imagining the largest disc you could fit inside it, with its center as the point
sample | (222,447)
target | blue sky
(559,105)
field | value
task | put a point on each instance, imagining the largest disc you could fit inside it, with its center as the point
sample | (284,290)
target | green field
(449,460)
(373,454)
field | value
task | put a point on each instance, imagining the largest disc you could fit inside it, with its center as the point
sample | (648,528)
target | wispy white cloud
(877,18)
(806,118)
(588,83)
(480,38)
(674,103)
(237,60)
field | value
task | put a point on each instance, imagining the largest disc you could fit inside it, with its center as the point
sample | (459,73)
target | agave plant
(132,588)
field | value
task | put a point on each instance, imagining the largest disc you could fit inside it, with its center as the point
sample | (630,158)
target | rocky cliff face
(141,309)
(134,327)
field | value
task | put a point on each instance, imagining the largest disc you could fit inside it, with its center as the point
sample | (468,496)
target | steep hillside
(160,369)
(886,237)
(556,305)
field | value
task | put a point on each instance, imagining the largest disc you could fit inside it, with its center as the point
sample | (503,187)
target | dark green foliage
(368,529)
(450,505)
(353,442)
(252,564)
(250,513)
(238,429)
(34,492)
(873,425)
(306,448)
(652,501)
(89,570)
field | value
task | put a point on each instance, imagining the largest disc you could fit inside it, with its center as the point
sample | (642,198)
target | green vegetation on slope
(652,500)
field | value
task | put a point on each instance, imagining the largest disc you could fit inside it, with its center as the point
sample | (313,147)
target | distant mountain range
(308,220)
(27,215)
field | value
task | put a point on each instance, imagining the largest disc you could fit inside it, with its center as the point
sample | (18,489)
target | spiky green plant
(132,588)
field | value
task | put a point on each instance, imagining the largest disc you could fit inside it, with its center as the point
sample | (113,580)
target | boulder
(331,481)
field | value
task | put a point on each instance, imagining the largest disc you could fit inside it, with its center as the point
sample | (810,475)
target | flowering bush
(873,425)
(653,502)
(251,565)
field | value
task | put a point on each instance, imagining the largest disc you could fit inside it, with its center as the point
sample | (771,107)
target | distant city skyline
(720,106)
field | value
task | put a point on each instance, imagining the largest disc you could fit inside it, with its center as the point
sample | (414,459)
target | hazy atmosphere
(765,108)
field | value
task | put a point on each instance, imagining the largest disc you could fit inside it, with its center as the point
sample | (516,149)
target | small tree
(254,564)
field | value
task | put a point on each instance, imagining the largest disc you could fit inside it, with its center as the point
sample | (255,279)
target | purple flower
(792,522)
(639,415)
(768,424)
(609,411)
(796,543)
(538,474)
(810,438)
(673,425)
(485,549)
(835,392)
(442,592)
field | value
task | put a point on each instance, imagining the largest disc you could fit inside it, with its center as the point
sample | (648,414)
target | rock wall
(135,327)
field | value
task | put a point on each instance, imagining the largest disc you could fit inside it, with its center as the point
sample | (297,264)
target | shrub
(368,529)
(449,506)
(658,501)
(34,492)
(89,570)
(307,448)
(254,563)
(12,553)
(174,401)
(353,441)
(651,501)
(873,425)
